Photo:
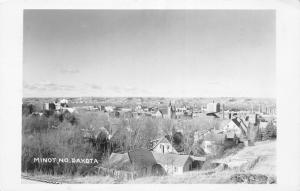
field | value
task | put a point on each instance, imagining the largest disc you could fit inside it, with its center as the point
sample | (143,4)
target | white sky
(173,53)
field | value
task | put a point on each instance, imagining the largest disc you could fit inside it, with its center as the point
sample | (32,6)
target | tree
(28,109)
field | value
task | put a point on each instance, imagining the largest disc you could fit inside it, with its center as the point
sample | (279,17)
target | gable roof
(119,161)
(162,140)
(239,122)
(170,159)
(141,157)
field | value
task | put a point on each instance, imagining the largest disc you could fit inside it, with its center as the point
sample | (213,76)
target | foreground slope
(256,162)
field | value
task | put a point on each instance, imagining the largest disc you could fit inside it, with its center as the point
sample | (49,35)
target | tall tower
(170,110)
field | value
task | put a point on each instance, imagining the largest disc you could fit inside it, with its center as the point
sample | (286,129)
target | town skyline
(126,53)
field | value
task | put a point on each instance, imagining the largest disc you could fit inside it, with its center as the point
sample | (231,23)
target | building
(143,161)
(173,163)
(119,161)
(213,107)
(253,118)
(162,146)
(171,111)
(168,112)
(235,128)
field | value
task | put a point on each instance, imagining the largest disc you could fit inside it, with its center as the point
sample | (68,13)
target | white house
(173,163)
(163,146)
(235,127)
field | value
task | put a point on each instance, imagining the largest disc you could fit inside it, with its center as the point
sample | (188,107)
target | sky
(164,53)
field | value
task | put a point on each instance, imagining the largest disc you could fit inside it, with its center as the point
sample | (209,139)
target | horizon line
(170,97)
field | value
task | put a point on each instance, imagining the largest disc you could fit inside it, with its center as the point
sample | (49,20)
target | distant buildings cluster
(162,157)
(58,106)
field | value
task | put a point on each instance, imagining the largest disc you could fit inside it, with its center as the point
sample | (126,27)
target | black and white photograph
(149,96)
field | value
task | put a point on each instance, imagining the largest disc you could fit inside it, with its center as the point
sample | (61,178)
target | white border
(288,85)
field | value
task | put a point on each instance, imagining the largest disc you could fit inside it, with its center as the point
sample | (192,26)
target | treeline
(54,135)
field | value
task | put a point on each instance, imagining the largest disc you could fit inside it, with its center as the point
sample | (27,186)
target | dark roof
(119,161)
(213,114)
(170,159)
(141,157)
(240,124)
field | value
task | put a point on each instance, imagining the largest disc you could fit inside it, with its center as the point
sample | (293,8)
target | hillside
(253,164)
(257,162)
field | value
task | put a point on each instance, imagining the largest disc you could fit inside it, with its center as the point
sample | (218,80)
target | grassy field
(257,160)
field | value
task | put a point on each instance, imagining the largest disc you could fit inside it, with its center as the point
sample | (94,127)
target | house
(212,142)
(152,163)
(173,163)
(162,146)
(235,128)
(119,161)
(157,114)
(143,161)
(197,162)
